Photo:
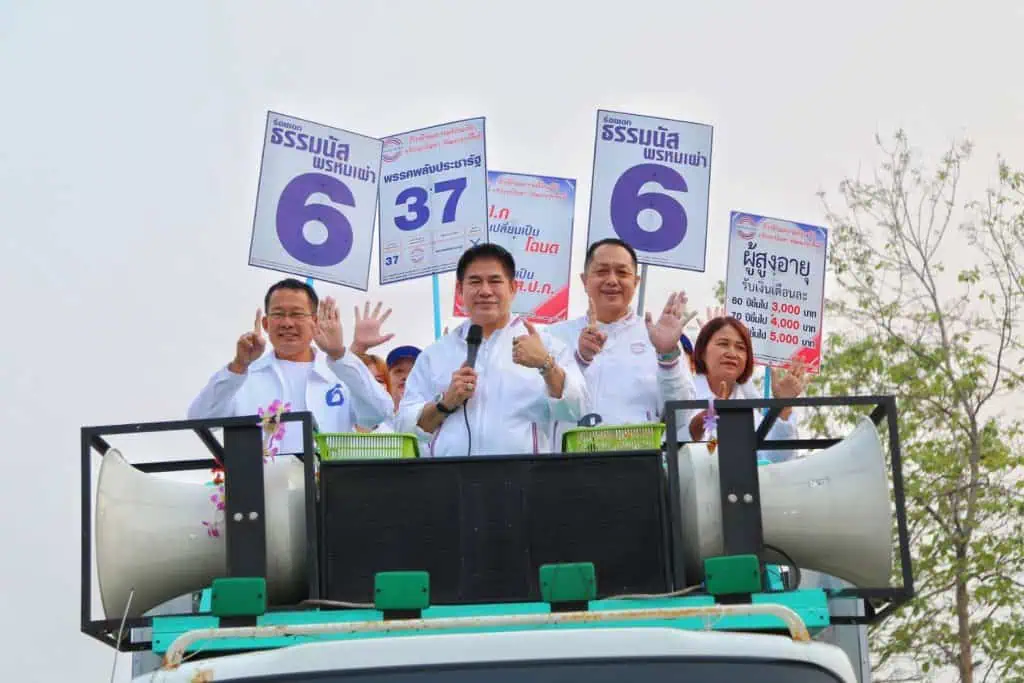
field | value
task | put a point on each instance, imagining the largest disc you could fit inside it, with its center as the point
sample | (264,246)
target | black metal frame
(738,443)
(241,456)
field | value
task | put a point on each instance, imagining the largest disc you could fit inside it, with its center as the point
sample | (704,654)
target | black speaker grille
(482,527)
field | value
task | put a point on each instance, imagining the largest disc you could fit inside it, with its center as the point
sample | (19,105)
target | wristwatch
(549,363)
(441,406)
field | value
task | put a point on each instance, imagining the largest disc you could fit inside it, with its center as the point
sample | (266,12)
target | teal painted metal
(811,605)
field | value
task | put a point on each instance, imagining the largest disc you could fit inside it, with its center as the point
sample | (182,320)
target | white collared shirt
(625,382)
(340,394)
(510,412)
(782,430)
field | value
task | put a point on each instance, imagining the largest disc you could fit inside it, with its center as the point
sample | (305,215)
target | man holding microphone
(494,385)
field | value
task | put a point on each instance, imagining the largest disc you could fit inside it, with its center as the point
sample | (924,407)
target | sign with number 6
(316,202)
(650,187)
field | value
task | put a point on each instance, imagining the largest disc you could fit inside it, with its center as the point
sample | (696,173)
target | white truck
(602,652)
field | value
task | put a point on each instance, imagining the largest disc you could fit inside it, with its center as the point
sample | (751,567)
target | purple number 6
(627,204)
(293,213)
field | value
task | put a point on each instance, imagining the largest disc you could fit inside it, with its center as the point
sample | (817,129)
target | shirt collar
(269,360)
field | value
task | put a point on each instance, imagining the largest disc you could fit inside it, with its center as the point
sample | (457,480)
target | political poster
(433,199)
(775,284)
(316,202)
(532,217)
(650,187)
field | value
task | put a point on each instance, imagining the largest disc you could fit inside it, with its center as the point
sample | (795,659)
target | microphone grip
(471,355)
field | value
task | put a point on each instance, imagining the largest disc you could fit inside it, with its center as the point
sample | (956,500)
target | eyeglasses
(294,315)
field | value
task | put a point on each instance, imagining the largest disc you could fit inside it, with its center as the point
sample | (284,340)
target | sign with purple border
(650,187)
(433,199)
(316,202)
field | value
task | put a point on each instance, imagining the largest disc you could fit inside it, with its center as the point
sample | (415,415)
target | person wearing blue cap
(688,350)
(400,361)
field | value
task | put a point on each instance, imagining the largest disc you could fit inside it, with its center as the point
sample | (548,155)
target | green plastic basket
(634,437)
(356,445)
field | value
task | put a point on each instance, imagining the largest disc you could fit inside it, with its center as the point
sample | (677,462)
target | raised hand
(789,383)
(665,334)
(327,329)
(711,313)
(528,350)
(367,332)
(249,347)
(591,339)
(461,389)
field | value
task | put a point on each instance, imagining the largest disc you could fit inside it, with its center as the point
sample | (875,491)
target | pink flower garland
(711,425)
(273,433)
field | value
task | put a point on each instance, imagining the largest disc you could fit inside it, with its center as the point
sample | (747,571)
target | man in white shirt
(522,381)
(631,366)
(329,381)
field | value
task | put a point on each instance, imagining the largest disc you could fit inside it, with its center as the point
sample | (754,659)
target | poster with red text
(532,217)
(775,284)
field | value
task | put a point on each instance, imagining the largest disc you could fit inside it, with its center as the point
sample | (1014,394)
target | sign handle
(643,290)
(437,306)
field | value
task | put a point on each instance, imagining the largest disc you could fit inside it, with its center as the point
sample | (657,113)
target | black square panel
(483,526)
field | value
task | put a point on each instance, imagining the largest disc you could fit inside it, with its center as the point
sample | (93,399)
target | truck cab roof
(595,655)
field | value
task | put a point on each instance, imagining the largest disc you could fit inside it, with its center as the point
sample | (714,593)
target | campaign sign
(316,202)
(650,187)
(532,217)
(775,284)
(433,199)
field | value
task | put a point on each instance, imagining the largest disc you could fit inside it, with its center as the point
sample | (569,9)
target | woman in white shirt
(724,363)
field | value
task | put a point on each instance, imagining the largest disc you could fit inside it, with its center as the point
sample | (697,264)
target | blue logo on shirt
(334,396)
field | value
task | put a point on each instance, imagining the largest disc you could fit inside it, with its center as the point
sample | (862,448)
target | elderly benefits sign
(650,187)
(775,284)
(433,199)
(316,202)
(532,217)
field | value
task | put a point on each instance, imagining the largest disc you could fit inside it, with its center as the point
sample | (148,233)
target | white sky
(128,173)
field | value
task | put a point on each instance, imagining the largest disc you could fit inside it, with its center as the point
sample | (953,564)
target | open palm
(367,332)
(665,333)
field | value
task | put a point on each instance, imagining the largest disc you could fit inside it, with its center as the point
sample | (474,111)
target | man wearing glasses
(327,379)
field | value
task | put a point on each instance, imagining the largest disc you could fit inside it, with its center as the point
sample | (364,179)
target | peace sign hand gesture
(249,347)
(367,332)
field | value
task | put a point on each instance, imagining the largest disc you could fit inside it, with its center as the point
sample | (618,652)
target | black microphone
(474,336)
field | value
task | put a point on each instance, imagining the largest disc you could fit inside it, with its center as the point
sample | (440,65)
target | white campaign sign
(433,199)
(316,202)
(775,284)
(650,187)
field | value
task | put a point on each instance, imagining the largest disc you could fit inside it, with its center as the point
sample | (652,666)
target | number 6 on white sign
(627,203)
(415,200)
(293,213)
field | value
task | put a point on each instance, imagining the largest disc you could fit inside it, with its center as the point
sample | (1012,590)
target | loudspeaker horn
(829,511)
(150,536)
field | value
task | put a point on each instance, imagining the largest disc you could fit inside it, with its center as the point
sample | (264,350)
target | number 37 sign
(650,187)
(316,202)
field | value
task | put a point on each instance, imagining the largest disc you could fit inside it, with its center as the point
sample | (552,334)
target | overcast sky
(132,138)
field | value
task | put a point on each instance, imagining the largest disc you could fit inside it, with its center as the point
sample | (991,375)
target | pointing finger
(259,319)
